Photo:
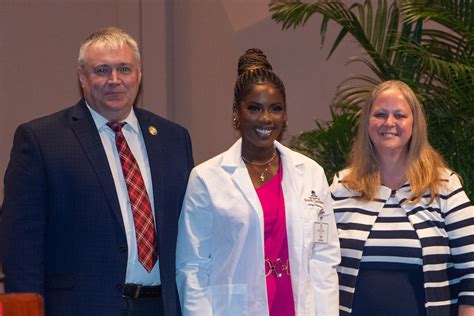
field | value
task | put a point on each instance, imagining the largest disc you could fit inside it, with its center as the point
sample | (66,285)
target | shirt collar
(101,122)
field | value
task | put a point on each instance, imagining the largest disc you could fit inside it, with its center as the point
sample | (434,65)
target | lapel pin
(152,130)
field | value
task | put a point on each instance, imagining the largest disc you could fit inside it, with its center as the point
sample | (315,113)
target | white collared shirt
(136,273)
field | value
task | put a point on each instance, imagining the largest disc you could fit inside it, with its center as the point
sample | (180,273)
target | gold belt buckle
(277,267)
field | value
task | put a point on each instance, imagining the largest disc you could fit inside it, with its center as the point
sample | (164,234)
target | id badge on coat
(320,233)
(320,230)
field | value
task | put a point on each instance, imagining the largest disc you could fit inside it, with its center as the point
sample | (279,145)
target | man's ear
(139,74)
(81,75)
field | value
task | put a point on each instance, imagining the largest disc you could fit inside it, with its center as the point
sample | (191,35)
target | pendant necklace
(267,163)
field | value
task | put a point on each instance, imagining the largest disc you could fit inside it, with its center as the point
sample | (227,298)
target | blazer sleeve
(459,220)
(193,254)
(24,216)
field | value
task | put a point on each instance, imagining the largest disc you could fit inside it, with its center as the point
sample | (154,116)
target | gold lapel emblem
(152,130)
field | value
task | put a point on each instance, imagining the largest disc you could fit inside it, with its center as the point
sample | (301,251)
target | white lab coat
(220,255)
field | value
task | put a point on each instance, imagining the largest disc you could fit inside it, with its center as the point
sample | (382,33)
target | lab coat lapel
(234,165)
(292,184)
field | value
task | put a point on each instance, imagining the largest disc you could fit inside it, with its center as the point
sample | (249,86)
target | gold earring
(235,122)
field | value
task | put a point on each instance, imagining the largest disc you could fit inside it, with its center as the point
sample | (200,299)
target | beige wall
(190,50)
(39,42)
(210,35)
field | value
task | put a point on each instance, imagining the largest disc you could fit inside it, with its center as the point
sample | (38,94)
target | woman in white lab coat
(257,234)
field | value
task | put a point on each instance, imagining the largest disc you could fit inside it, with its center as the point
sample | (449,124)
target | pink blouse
(277,266)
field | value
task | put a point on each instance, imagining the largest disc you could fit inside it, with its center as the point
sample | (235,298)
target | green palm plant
(436,61)
(330,143)
(377,30)
(446,59)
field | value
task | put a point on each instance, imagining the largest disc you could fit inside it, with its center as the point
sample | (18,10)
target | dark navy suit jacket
(62,233)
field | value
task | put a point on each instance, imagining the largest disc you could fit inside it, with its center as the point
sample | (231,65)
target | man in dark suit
(74,228)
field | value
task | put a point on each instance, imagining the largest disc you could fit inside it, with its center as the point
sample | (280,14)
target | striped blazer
(445,229)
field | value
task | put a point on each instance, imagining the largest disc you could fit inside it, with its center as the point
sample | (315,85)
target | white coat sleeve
(193,253)
(323,263)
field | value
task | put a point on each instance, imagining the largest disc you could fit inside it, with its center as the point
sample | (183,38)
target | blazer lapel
(86,132)
(154,148)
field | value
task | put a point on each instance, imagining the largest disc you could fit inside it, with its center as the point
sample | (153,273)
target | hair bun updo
(253,58)
(253,68)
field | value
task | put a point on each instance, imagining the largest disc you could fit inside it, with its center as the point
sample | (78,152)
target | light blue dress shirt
(136,273)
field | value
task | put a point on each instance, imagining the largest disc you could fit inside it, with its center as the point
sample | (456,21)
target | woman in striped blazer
(405,225)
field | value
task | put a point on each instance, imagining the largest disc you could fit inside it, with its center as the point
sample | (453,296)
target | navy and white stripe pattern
(392,241)
(444,228)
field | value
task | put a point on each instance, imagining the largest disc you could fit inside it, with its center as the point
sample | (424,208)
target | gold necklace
(267,163)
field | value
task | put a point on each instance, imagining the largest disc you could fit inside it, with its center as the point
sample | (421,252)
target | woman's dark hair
(253,68)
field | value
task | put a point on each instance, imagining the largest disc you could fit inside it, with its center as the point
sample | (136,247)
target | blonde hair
(423,163)
(111,37)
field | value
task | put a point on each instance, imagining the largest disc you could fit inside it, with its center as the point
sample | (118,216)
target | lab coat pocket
(324,284)
(229,299)
(322,275)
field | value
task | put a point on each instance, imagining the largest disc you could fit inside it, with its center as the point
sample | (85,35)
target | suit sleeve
(189,152)
(24,216)
(193,255)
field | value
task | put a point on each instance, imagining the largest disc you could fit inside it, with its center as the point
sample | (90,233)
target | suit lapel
(154,148)
(86,132)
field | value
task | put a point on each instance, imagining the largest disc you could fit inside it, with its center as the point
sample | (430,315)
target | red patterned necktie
(139,201)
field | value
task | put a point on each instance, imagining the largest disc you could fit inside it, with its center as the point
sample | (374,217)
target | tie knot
(116,126)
